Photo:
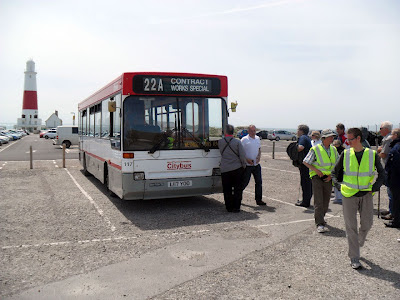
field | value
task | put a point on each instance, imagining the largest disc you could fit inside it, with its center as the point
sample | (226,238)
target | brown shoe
(388,217)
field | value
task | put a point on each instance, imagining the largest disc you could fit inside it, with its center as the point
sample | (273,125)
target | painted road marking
(290,222)
(111,239)
(287,203)
(99,210)
(293,172)
(9,145)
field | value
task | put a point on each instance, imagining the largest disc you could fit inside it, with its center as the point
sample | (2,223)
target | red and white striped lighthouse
(29,119)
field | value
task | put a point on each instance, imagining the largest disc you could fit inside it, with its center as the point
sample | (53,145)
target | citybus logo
(179,165)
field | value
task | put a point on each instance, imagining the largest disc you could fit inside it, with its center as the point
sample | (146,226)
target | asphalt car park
(62,236)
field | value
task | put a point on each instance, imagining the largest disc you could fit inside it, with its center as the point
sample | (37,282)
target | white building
(30,116)
(53,121)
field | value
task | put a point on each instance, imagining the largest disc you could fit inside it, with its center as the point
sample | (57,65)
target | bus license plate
(183,183)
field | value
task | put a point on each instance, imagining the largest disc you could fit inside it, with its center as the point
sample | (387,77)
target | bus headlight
(216,172)
(138,176)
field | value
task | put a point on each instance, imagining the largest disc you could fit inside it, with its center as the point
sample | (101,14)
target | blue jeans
(256,171)
(389,192)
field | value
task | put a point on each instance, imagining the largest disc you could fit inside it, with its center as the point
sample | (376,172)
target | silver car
(281,135)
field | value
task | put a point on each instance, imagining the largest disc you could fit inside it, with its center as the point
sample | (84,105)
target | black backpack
(296,156)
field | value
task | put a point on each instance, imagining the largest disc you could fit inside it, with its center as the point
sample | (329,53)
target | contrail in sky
(233,10)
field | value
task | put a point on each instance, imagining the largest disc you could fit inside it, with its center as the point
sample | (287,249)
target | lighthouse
(30,117)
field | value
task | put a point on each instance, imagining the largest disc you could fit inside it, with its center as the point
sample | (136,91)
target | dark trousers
(232,188)
(396,205)
(322,194)
(256,171)
(306,184)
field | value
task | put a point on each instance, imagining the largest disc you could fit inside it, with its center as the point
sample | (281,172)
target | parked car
(263,134)
(10,135)
(242,133)
(3,140)
(6,137)
(282,135)
(50,134)
(67,135)
(42,133)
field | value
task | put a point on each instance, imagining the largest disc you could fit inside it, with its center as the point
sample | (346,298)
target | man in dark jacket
(393,177)
(304,145)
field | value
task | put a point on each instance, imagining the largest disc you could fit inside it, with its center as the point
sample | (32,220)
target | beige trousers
(365,207)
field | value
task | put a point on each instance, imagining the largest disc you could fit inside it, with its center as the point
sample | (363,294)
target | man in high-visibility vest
(321,160)
(357,167)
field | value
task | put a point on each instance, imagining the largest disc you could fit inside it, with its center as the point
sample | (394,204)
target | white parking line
(120,238)
(280,170)
(287,203)
(99,210)
(290,222)
(9,145)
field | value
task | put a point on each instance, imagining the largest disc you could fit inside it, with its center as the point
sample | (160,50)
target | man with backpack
(233,162)
(304,145)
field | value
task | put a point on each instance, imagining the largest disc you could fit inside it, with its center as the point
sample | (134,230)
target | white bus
(155,135)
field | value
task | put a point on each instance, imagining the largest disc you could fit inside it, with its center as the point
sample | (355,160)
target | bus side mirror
(112,106)
(233,106)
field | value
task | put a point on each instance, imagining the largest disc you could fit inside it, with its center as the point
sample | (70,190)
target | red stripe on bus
(102,159)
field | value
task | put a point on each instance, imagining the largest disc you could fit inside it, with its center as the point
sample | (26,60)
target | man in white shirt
(252,148)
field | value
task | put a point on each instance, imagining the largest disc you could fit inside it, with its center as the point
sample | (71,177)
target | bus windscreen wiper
(198,142)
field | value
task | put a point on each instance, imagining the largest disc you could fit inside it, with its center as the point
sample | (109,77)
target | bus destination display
(176,85)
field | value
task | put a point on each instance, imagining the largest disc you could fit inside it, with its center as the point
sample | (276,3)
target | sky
(288,62)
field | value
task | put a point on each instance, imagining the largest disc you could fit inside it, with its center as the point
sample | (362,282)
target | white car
(3,140)
(281,135)
(51,134)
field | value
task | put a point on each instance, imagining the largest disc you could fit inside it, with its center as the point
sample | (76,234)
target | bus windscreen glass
(167,123)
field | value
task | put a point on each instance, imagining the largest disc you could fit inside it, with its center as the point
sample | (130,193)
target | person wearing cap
(320,160)
(353,175)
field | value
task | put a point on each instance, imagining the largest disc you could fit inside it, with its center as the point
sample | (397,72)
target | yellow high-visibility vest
(323,162)
(357,177)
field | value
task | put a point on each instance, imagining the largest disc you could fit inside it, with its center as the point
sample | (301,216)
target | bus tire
(107,182)
(85,171)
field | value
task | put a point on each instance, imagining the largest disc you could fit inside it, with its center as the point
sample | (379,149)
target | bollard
(376,143)
(31,156)
(63,155)
(273,150)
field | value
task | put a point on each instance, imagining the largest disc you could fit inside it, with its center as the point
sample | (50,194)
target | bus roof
(131,84)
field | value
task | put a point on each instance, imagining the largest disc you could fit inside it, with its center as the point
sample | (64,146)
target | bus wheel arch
(107,181)
(85,171)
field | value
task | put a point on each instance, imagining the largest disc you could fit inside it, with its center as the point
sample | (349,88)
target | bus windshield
(168,123)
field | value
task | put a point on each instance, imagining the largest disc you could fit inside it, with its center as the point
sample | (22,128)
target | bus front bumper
(169,188)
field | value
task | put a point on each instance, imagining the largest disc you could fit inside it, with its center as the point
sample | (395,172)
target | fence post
(31,157)
(63,155)
(273,150)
